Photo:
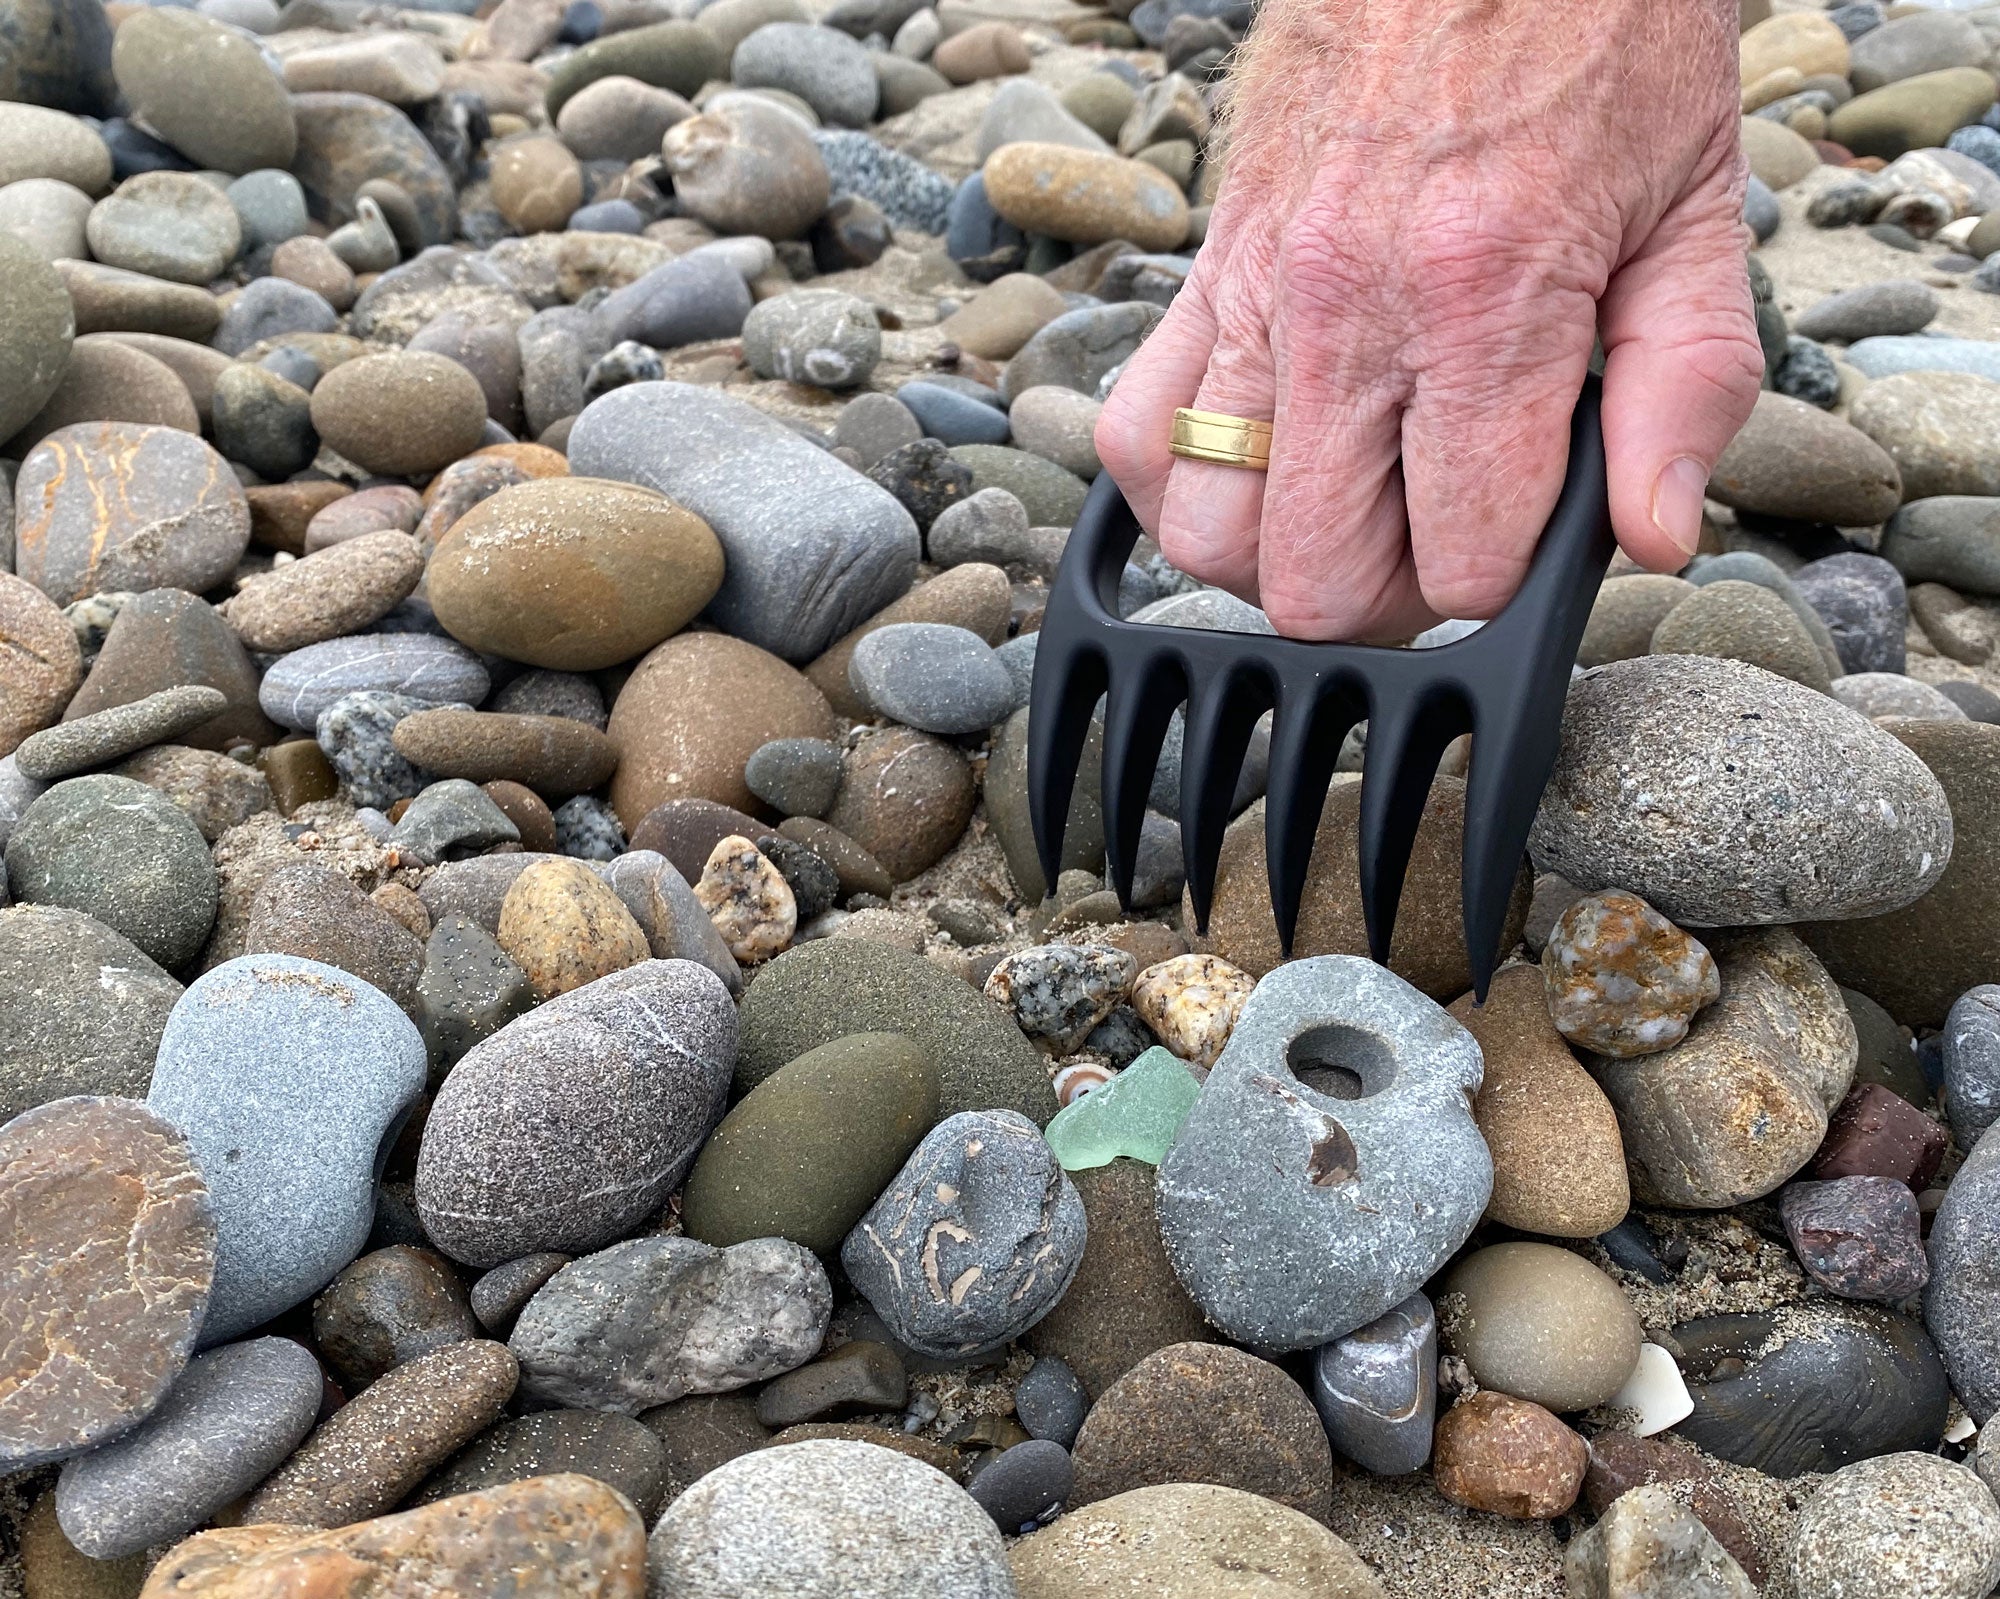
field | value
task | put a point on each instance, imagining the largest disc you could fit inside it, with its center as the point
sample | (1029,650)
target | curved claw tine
(1220,719)
(1067,684)
(1405,740)
(1502,792)
(1141,704)
(1305,747)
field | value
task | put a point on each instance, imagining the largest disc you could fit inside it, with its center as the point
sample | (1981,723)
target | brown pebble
(299,773)
(553,755)
(382,1443)
(529,813)
(1875,1132)
(686,831)
(859,871)
(400,414)
(337,591)
(110,1256)
(43,665)
(1620,1462)
(1509,1457)
(536,183)
(311,264)
(108,381)
(54,1568)
(403,903)
(565,1535)
(458,488)
(282,514)
(387,507)
(905,797)
(386,1309)
(564,926)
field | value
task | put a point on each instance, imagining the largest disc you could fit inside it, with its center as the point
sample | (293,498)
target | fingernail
(1677,502)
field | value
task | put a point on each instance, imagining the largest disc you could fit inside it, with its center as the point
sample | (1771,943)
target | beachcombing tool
(1504,684)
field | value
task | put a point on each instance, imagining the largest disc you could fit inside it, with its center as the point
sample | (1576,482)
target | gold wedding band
(1225,440)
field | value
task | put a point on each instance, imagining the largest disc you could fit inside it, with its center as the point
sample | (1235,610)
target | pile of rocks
(538,1054)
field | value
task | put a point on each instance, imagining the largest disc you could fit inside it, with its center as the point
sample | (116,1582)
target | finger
(1681,371)
(1333,558)
(1486,435)
(1137,422)
(1209,513)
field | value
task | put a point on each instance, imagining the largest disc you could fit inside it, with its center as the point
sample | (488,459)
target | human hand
(1427,213)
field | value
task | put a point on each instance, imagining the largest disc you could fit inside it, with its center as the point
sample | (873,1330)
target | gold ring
(1225,440)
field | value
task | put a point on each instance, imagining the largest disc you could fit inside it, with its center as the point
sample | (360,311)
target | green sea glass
(1136,1113)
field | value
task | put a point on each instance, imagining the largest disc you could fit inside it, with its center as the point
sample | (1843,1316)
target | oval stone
(1085,197)
(300,686)
(124,505)
(401,414)
(205,88)
(291,1079)
(569,1127)
(111,1255)
(573,573)
(1725,796)
(37,328)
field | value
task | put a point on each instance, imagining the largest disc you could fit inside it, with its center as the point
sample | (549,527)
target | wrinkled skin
(1428,212)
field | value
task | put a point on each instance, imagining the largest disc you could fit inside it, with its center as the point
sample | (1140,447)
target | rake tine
(1499,810)
(1060,704)
(1219,724)
(1141,704)
(1403,751)
(1305,746)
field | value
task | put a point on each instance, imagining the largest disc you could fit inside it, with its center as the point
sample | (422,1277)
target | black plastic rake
(1505,684)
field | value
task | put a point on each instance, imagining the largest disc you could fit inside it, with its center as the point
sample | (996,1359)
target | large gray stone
(1079,347)
(654,1319)
(1962,1303)
(1294,1214)
(975,1240)
(85,1009)
(827,69)
(290,1079)
(1951,538)
(229,1421)
(1889,354)
(694,297)
(1726,796)
(1971,1041)
(123,853)
(813,548)
(571,1126)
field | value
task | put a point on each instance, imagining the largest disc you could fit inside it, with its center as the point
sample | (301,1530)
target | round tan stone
(1539,1323)
(401,414)
(573,573)
(1174,1541)
(537,183)
(564,926)
(1004,315)
(1085,196)
(694,710)
(1508,1457)
(984,50)
(1558,1163)
(1806,41)
(111,1253)
(556,756)
(41,664)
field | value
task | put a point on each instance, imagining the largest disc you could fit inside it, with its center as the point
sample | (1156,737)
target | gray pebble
(874,425)
(123,853)
(588,829)
(572,1125)
(827,69)
(799,776)
(1079,348)
(1876,694)
(932,676)
(354,732)
(1025,1484)
(975,1240)
(500,1294)
(267,307)
(1376,1389)
(270,205)
(1708,788)
(823,337)
(453,814)
(1971,1057)
(654,1319)
(1051,1401)
(1896,305)
(698,296)
(1962,1303)
(228,1422)
(910,194)
(952,417)
(1862,600)
(299,687)
(469,990)
(546,693)
(290,1079)
(106,736)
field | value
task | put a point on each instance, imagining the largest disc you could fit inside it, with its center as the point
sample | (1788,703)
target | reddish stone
(1875,1132)
(1620,1462)
(1509,1457)
(558,1537)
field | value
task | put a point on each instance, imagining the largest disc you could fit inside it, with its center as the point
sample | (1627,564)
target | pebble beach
(537,1057)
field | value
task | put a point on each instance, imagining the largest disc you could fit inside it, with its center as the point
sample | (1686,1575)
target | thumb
(1681,370)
